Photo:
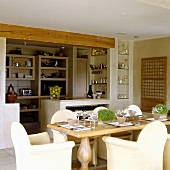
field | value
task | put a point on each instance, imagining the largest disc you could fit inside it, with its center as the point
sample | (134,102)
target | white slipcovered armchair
(35,152)
(101,145)
(166,158)
(145,154)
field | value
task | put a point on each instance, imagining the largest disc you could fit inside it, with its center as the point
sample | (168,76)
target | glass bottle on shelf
(90,92)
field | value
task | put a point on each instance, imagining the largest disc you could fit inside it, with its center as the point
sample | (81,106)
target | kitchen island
(50,106)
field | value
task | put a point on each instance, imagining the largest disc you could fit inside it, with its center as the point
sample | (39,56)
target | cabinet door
(81,83)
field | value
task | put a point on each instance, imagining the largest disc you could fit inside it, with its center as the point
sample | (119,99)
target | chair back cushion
(152,140)
(139,112)
(19,136)
(62,116)
(99,108)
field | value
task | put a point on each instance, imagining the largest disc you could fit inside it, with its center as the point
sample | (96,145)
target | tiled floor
(7,161)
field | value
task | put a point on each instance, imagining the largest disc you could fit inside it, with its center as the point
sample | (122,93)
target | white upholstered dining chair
(131,107)
(102,153)
(62,116)
(35,152)
(145,154)
(166,157)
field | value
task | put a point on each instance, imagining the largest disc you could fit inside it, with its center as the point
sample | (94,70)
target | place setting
(159,113)
(80,125)
(120,119)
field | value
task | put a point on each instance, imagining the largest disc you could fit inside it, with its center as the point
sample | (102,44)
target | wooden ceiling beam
(54,36)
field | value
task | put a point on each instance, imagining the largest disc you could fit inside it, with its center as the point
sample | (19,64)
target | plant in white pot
(160,111)
(105,115)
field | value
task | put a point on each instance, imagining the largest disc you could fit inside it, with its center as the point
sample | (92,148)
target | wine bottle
(90,92)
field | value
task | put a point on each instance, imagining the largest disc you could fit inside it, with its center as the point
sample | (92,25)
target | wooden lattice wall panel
(153,82)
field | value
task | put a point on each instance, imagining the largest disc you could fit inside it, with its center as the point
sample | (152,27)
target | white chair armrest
(121,143)
(39,138)
(51,147)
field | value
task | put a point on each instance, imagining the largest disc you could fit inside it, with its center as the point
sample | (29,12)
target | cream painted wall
(2,69)
(8,112)
(149,48)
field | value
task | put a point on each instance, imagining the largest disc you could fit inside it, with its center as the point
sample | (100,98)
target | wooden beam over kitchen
(54,36)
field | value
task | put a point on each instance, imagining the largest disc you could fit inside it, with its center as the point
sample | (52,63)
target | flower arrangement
(55,92)
(162,109)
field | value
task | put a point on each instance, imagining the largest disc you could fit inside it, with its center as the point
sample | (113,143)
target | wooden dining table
(84,153)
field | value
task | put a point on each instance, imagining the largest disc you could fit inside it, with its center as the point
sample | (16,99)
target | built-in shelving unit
(20,70)
(32,72)
(20,67)
(53,70)
(98,71)
(123,70)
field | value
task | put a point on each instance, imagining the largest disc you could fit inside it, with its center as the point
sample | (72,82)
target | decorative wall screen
(153,82)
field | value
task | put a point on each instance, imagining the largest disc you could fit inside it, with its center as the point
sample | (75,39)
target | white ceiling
(124,19)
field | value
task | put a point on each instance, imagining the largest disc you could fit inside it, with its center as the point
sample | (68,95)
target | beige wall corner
(2,69)
(8,113)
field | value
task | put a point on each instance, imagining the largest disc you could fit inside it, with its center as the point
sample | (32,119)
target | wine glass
(78,114)
(90,118)
(132,113)
(94,117)
(85,114)
(120,113)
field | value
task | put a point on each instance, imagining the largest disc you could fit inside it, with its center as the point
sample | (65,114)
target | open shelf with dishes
(123,70)
(20,67)
(53,70)
(98,72)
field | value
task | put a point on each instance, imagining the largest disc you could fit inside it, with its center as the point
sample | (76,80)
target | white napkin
(82,129)
(117,124)
(72,127)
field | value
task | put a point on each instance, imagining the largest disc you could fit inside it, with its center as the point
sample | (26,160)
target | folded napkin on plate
(72,127)
(81,129)
(117,124)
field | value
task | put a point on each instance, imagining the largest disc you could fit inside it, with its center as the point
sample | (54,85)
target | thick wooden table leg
(84,153)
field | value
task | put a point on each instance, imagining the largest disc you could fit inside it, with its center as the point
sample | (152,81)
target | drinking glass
(90,119)
(94,117)
(85,114)
(78,114)
(132,113)
(118,113)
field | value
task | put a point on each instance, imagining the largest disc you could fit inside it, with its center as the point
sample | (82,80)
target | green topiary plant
(106,115)
(163,108)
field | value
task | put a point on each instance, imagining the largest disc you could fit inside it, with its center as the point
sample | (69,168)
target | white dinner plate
(117,124)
